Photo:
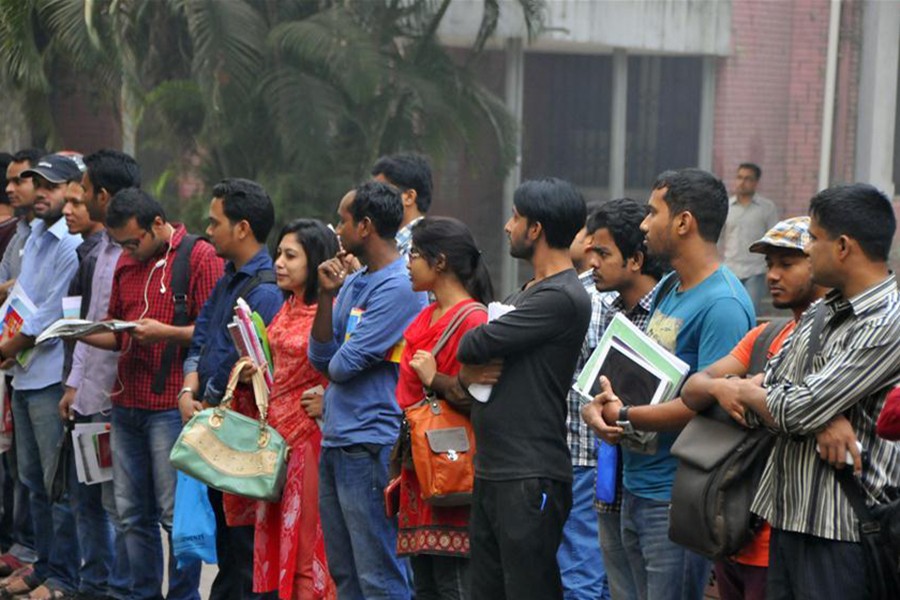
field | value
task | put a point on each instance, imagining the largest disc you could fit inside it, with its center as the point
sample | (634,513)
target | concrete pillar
(515,85)
(618,124)
(707,113)
(878,94)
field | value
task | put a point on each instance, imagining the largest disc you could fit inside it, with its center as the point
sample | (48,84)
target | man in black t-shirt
(523,470)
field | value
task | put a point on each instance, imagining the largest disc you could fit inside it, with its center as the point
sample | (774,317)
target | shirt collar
(643,304)
(864,301)
(260,261)
(411,224)
(58,229)
(734,199)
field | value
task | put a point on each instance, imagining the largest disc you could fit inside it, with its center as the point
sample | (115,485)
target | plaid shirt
(404,238)
(640,316)
(132,283)
(578,435)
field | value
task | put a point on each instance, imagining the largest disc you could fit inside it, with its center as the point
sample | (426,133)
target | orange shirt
(756,552)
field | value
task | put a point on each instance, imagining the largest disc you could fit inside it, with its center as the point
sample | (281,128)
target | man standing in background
(750,216)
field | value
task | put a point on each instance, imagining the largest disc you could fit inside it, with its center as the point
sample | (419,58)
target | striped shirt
(857,365)
(578,435)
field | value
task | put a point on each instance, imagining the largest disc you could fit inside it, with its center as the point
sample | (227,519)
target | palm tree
(300,94)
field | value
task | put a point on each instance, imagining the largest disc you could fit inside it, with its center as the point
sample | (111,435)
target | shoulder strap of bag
(181,282)
(668,285)
(455,323)
(856,495)
(815,336)
(759,356)
(262,276)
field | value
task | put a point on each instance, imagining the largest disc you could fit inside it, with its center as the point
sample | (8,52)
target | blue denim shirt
(360,403)
(212,353)
(48,264)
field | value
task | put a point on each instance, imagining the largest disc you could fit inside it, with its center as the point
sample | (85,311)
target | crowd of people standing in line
(353,314)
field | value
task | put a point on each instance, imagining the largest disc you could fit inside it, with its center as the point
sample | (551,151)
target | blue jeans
(38,431)
(104,568)
(16,510)
(615,559)
(360,541)
(579,558)
(662,569)
(144,484)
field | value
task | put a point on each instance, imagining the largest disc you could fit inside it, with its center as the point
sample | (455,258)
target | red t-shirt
(756,552)
(888,425)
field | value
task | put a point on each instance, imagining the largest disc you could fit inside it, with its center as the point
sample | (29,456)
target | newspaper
(68,328)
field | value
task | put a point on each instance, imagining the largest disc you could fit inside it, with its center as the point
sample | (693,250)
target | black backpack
(181,286)
(720,465)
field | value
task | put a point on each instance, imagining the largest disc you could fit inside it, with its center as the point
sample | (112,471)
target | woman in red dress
(289,552)
(445,261)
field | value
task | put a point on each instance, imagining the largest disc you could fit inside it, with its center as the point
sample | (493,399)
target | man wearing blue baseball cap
(48,263)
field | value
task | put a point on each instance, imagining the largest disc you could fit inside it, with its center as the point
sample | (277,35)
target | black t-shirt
(521,431)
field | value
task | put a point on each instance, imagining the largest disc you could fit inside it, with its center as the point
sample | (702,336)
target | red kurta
(289,550)
(426,529)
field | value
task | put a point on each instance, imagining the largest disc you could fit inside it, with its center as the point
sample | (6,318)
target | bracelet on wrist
(184,391)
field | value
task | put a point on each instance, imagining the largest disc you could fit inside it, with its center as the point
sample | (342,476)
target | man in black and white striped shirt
(815,550)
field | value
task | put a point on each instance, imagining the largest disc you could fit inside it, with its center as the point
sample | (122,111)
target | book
(639,370)
(250,338)
(13,312)
(68,328)
(92,452)
(481,391)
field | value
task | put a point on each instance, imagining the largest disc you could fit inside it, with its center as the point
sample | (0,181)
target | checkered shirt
(138,364)
(578,435)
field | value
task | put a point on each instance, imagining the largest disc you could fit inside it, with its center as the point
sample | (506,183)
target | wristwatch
(623,421)
(184,391)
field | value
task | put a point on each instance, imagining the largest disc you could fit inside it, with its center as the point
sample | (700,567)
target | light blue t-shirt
(700,325)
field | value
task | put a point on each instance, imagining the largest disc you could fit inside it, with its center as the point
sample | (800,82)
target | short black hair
(408,172)
(319,243)
(382,205)
(5,160)
(30,155)
(112,170)
(622,217)
(698,192)
(246,200)
(556,205)
(133,203)
(752,167)
(859,211)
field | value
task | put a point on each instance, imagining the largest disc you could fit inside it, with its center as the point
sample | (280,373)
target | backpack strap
(261,276)
(181,282)
(759,356)
(667,286)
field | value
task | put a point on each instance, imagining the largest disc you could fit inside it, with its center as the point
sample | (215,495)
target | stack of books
(248,332)
(639,370)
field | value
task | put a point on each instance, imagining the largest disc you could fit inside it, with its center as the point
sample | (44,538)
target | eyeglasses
(133,243)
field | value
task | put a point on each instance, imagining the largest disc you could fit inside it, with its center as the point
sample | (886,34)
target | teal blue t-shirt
(700,325)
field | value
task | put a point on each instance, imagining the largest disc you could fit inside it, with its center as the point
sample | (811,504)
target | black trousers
(806,567)
(516,527)
(234,550)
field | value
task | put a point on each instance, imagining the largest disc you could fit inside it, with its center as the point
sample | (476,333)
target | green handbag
(231,452)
